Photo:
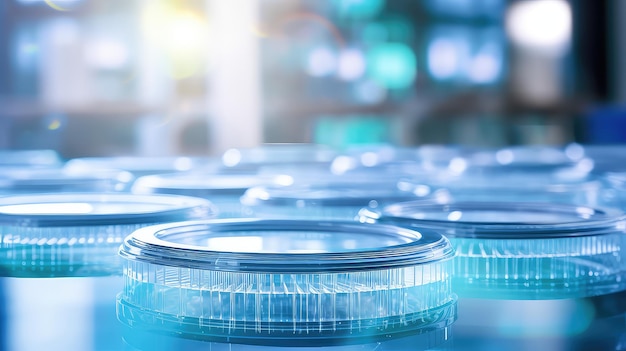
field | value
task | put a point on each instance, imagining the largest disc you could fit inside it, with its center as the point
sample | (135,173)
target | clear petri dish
(279,155)
(606,158)
(532,187)
(142,166)
(334,200)
(524,250)
(30,158)
(287,282)
(222,189)
(615,190)
(78,234)
(56,180)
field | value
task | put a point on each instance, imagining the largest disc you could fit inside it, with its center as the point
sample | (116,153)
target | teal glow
(343,131)
(394,28)
(393,65)
(359,8)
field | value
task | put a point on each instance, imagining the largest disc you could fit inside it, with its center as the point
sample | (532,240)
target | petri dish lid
(355,194)
(284,246)
(78,234)
(527,188)
(525,251)
(141,166)
(39,180)
(98,209)
(505,220)
(200,183)
(277,154)
(287,282)
(606,158)
(30,158)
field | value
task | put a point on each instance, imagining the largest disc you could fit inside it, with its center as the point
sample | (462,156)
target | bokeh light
(393,65)
(540,24)
(182,35)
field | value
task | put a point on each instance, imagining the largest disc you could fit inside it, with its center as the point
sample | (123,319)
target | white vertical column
(154,93)
(234,94)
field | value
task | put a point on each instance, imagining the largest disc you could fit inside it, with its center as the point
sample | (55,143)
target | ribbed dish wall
(296,303)
(538,266)
(73,249)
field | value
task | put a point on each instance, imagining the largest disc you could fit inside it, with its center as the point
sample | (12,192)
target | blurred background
(196,77)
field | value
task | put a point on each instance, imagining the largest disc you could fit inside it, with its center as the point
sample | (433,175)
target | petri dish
(615,190)
(54,180)
(334,200)
(30,158)
(524,251)
(286,282)
(522,188)
(78,234)
(222,189)
(606,158)
(278,155)
(142,166)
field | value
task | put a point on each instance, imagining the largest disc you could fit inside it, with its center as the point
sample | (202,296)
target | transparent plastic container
(278,155)
(222,189)
(55,180)
(606,158)
(615,190)
(30,159)
(532,187)
(524,250)
(563,161)
(287,283)
(530,276)
(334,200)
(78,234)
(143,166)
(137,339)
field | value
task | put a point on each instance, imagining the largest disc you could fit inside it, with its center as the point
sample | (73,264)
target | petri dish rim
(603,221)
(149,245)
(174,207)
(359,194)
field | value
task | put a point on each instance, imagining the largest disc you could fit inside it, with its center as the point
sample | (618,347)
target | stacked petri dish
(277,157)
(287,282)
(538,174)
(142,166)
(336,198)
(224,190)
(77,234)
(54,180)
(530,258)
(59,266)
(30,159)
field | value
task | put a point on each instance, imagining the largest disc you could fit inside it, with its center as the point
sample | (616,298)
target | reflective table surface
(80,314)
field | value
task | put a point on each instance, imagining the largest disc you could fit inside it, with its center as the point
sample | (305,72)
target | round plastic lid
(276,154)
(30,158)
(142,166)
(287,282)
(344,193)
(198,184)
(524,250)
(78,234)
(39,180)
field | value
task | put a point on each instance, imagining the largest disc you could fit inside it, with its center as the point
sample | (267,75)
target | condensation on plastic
(287,282)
